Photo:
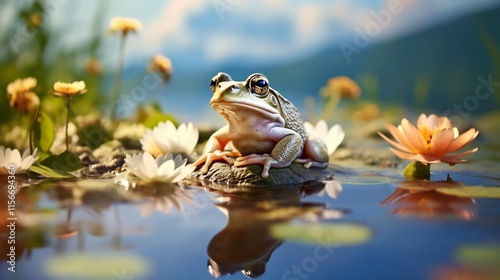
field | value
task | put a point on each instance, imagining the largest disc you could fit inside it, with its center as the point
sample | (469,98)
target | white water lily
(164,168)
(12,160)
(332,137)
(165,138)
(176,199)
(332,189)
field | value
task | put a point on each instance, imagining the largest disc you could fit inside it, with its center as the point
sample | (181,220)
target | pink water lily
(433,140)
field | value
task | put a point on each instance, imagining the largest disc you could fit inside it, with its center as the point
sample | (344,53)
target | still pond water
(101,231)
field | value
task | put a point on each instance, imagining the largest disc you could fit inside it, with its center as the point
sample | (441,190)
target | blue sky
(214,31)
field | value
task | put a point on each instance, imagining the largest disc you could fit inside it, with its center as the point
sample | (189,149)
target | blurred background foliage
(31,48)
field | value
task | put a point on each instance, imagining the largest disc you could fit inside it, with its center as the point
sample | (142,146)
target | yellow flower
(367,113)
(69,89)
(21,85)
(432,141)
(162,65)
(124,25)
(342,86)
(20,95)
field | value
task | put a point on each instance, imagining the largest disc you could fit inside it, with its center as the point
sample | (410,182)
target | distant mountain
(441,63)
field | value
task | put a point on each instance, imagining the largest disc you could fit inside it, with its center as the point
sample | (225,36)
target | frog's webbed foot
(217,155)
(308,163)
(266,160)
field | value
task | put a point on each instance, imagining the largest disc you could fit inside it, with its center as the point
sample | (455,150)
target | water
(169,232)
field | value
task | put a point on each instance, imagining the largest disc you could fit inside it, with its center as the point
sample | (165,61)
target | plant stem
(330,106)
(67,121)
(118,78)
(33,127)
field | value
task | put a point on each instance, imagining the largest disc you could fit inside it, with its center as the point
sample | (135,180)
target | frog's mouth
(230,108)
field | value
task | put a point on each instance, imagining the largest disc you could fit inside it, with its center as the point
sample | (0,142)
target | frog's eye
(259,85)
(213,84)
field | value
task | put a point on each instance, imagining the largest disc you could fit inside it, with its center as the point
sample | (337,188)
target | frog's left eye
(259,85)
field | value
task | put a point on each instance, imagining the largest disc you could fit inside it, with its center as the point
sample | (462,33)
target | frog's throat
(229,107)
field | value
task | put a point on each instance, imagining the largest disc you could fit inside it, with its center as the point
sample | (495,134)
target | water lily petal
(426,158)
(395,144)
(309,129)
(413,135)
(441,142)
(400,137)
(402,155)
(334,137)
(456,158)
(166,167)
(463,140)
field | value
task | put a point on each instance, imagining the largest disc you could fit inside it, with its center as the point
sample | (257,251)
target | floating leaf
(472,191)
(322,233)
(481,255)
(93,266)
(44,132)
(49,173)
(62,163)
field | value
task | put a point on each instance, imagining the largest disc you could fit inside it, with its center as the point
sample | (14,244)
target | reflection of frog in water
(245,243)
(263,127)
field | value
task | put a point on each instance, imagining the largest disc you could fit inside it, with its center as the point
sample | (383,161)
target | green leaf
(472,191)
(322,233)
(481,255)
(64,162)
(49,173)
(44,132)
(97,266)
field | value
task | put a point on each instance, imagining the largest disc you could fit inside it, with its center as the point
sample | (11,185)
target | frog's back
(292,116)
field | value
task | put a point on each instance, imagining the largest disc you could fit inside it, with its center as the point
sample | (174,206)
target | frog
(263,127)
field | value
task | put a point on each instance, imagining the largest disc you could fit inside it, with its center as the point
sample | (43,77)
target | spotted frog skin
(263,127)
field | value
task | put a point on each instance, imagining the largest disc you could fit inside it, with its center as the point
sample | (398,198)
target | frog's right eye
(213,84)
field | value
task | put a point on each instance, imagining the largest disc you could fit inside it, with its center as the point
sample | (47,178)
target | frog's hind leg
(314,154)
(308,163)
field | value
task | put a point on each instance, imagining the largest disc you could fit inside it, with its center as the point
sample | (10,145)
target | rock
(227,178)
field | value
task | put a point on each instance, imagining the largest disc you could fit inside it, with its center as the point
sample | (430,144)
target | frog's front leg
(282,155)
(214,150)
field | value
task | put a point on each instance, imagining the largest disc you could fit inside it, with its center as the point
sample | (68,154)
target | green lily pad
(62,163)
(48,172)
(472,191)
(328,234)
(480,255)
(97,266)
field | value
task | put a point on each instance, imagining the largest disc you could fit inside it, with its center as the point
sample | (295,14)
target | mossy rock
(228,178)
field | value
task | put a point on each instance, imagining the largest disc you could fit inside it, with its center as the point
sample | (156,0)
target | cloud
(258,30)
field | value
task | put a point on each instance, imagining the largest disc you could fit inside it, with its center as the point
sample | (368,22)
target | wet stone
(226,177)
